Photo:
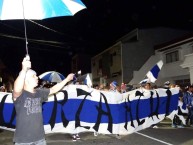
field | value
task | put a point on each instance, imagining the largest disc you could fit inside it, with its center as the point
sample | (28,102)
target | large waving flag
(152,75)
(88,81)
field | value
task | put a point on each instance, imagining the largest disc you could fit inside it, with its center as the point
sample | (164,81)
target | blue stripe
(79,2)
(47,77)
(7,112)
(89,112)
(61,76)
(55,8)
(1,6)
(155,71)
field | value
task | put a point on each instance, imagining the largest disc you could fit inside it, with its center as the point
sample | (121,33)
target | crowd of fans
(186,97)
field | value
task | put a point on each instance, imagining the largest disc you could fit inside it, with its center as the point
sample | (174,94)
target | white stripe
(160,64)
(153,138)
(151,77)
(12,9)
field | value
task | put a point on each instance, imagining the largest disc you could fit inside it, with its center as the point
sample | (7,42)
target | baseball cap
(167,83)
(114,83)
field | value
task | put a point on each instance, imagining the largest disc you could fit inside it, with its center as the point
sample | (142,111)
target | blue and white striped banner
(80,108)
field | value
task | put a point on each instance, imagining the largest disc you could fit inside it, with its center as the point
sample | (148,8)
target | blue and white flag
(87,81)
(152,75)
(144,81)
(86,109)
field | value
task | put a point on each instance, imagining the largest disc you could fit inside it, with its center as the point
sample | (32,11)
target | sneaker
(174,126)
(118,136)
(73,137)
(180,126)
(77,136)
(155,126)
(95,133)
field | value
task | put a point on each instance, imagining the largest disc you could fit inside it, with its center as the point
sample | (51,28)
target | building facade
(120,61)
(81,62)
(177,56)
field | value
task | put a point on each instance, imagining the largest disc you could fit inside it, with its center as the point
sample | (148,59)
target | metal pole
(26,42)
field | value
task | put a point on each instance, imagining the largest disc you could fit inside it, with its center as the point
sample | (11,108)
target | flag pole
(26,41)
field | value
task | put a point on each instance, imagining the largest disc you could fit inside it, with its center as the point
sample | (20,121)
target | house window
(172,57)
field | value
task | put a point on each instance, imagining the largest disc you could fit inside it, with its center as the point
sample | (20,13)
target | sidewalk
(87,138)
(164,132)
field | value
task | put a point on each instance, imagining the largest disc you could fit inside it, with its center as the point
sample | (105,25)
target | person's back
(188,100)
(187,95)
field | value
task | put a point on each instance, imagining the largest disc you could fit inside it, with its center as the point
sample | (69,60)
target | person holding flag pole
(28,105)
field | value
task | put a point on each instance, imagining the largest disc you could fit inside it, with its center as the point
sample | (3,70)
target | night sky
(89,31)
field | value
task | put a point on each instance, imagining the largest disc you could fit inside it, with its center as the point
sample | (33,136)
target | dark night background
(89,31)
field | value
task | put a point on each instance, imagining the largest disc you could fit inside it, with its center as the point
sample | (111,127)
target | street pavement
(163,135)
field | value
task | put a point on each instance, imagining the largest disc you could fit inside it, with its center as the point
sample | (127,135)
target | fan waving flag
(152,75)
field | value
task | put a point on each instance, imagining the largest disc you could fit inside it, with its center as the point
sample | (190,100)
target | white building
(129,54)
(177,56)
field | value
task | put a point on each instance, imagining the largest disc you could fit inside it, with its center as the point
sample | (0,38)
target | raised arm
(19,82)
(60,85)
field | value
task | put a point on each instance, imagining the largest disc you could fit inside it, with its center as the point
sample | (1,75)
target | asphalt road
(163,135)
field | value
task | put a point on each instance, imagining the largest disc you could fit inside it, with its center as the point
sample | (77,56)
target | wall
(135,54)
(170,71)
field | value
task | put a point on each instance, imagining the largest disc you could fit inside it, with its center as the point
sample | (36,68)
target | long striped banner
(78,108)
